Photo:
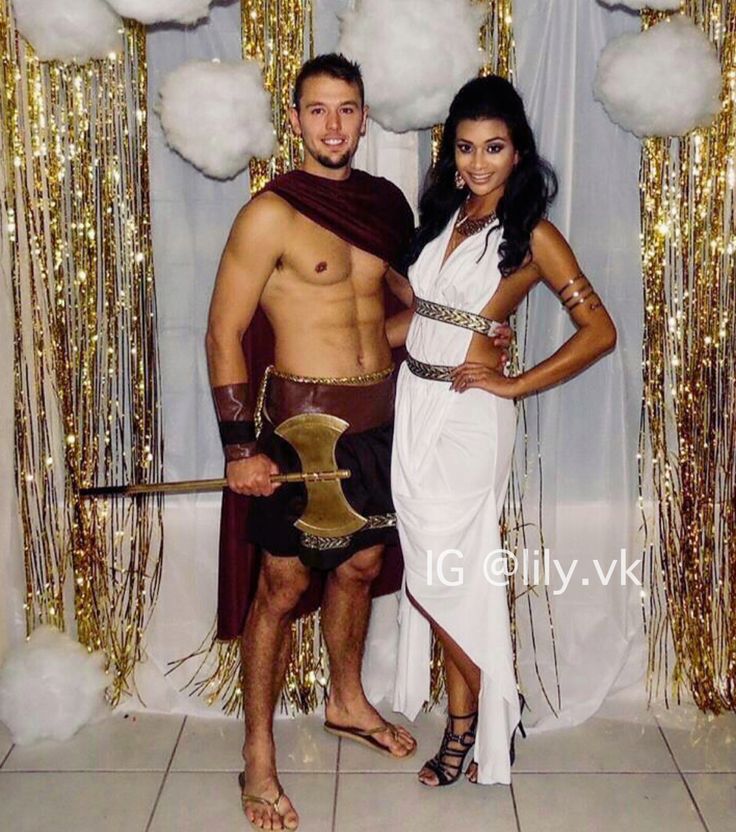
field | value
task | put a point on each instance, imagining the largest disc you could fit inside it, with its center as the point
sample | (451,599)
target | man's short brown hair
(333,65)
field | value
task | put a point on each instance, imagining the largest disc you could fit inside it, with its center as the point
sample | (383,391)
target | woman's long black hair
(529,190)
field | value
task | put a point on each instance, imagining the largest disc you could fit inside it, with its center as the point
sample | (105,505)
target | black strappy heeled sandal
(512,751)
(519,727)
(447,771)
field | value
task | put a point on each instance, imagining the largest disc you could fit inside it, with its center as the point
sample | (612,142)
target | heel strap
(462,716)
(461,738)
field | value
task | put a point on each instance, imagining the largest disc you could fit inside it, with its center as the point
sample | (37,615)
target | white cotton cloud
(414,57)
(50,686)
(72,30)
(657,5)
(664,81)
(217,115)
(162,11)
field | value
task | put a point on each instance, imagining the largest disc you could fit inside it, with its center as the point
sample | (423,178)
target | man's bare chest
(317,256)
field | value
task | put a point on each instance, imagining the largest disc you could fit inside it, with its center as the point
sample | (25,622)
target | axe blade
(314,437)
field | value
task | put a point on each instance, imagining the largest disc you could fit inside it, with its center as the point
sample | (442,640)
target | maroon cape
(370,213)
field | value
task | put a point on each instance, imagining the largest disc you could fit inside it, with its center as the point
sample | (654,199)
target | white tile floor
(674,770)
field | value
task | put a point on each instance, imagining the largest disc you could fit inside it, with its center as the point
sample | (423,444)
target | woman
(481,247)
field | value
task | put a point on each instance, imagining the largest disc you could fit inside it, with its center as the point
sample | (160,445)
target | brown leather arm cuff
(243,450)
(235,419)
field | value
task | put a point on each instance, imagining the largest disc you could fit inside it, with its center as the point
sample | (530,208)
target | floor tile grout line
(5,758)
(332,771)
(627,772)
(682,777)
(166,775)
(93,771)
(516,810)
(545,771)
(337,784)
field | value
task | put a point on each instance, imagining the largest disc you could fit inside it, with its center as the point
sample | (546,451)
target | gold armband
(576,291)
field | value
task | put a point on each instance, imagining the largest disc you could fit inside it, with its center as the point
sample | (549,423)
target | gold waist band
(357,381)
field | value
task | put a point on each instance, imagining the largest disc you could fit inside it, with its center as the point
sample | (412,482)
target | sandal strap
(448,762)
(254,798)
(462,716)
(369,732)
(440,771)
(461,738)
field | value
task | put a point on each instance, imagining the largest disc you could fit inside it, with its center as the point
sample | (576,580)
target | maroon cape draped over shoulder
(370,213)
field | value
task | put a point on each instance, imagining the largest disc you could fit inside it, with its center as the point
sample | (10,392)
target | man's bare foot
(265,804)
(361,714)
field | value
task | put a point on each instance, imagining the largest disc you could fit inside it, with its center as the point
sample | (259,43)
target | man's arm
(250,256)
(397,326)
(400,287)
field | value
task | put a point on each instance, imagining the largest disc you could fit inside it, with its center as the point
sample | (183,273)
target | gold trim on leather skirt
(365,378)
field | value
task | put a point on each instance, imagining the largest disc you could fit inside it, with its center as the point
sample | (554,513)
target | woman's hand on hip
(503,338)
(473,375)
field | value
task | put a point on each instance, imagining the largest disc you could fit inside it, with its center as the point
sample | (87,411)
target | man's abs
(325,303)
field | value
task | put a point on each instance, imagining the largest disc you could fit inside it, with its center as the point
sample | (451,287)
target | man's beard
(334,164)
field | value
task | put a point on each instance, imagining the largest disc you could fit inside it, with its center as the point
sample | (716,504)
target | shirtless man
(324,299)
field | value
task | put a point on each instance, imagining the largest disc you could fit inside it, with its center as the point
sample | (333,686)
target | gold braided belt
(432,372)
(456,317)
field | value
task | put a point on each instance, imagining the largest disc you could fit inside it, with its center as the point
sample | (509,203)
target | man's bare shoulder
(260,222)
(264,210)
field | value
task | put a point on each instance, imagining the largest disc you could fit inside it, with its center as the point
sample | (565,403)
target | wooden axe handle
(186,486)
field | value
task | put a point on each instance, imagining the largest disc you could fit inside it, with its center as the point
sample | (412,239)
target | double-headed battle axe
(314,437)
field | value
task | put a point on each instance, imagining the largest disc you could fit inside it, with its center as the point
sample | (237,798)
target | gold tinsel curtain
(76,250)
(688,437)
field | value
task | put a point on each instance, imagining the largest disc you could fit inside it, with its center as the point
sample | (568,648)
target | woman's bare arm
(595,335)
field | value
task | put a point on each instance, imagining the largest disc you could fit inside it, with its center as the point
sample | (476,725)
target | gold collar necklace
(466,226)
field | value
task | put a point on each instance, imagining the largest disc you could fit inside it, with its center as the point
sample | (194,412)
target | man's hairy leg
(346,610)
(265,649)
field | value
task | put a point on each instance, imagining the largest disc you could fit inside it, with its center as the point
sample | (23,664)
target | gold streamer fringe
(76,244)
(497,38)
(687,458)
(217,677)
(279,34)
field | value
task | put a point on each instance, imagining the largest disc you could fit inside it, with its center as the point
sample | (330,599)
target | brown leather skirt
(365,449)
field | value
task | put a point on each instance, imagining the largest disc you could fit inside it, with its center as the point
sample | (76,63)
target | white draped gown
(450,467)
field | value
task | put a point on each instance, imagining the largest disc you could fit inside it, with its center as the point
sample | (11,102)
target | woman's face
(484,155)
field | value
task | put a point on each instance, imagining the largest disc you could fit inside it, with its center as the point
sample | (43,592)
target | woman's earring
(459,181)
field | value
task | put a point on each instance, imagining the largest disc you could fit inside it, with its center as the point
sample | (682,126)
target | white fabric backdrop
(588,427)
